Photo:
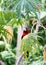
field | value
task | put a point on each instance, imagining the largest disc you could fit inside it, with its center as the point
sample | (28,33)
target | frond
(21,7)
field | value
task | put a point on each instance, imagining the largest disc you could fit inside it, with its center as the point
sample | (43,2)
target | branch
(1,63)
(18,63)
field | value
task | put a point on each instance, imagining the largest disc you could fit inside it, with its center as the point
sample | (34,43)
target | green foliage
(6,51)
(11,13)
(7,54)
(34,57)
(31,44)
(35,62)
(22,8)
(42,34)
(2,46)
(14,41)
(2,19)
(8,58)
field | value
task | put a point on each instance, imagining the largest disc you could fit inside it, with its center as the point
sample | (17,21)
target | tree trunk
(20,30)
(19,57)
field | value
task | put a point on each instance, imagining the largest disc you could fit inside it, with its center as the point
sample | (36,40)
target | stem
(43,3)
(20,59)
(38,23)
